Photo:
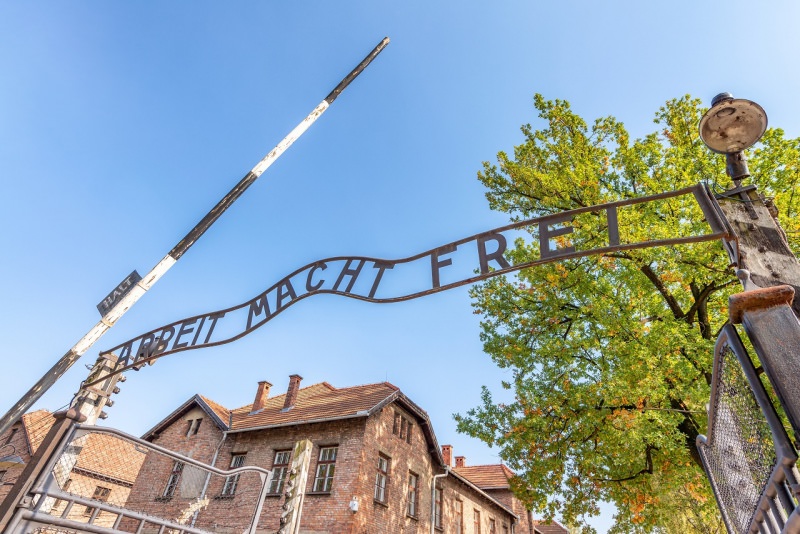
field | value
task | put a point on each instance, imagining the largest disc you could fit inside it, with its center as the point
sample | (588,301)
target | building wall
(322,512)
(507,497)
(360,442)
(471,501)
(12,441)
(390,517)
(117,495)
(147,492)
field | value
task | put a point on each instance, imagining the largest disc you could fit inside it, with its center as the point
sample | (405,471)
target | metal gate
(747,455)
(101,481)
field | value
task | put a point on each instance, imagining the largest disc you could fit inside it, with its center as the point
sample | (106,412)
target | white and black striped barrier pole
(134,291)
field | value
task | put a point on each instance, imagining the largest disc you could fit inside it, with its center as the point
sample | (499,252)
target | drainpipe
(433,497)
(208,476)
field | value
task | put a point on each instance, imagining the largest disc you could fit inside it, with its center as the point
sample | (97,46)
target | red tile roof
(549,527)
(222,412)
(486,476)
(318,402)
(37,424)
(111,457)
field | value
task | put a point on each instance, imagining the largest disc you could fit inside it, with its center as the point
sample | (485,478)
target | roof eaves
(465,481)
(362,413)
(223,425)
(27,422)
(385,402)
(426,425)
(168,420)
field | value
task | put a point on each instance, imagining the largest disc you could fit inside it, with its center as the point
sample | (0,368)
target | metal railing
(107,482)
(747,455)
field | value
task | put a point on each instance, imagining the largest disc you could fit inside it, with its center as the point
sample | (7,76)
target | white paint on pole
(299,130)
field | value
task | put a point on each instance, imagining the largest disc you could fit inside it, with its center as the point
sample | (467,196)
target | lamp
(10,460)
(729,127)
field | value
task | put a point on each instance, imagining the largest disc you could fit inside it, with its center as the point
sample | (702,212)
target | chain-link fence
(106,481)
(747,455)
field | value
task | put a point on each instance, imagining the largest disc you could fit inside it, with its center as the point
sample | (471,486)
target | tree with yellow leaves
(611,355)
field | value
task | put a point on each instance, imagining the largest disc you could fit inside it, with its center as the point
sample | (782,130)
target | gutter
(433,496)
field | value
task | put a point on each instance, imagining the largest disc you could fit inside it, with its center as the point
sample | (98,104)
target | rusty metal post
(774,330)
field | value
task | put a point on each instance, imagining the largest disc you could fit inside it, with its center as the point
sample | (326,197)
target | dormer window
(402,427)
(193,426)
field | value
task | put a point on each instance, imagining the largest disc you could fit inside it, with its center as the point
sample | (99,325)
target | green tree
(610,356)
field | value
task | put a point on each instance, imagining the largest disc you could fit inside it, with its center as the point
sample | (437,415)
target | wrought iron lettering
(560,236)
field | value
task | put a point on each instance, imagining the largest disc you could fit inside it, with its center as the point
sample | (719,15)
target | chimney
(262,393)
(461,461)
(447,454)
(291,393)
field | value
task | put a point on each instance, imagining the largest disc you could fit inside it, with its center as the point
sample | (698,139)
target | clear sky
(122,124)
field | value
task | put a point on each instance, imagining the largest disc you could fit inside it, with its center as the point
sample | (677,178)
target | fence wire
(741,452)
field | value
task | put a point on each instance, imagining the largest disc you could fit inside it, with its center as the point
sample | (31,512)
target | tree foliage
(610,356)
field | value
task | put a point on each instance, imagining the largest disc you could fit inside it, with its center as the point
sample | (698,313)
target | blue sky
(121,124)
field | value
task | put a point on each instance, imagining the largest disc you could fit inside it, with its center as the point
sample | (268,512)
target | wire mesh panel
(106,481)
(747,455)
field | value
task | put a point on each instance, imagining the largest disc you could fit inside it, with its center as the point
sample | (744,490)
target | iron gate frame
(46,487)
(776,510)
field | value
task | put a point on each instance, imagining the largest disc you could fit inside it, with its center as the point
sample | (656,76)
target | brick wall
(507,497)
(13,441)
(471,501)
(360,441)
(390,517)
(148,489)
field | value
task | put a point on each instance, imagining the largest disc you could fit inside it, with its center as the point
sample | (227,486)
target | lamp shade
(732,125)
(13,460)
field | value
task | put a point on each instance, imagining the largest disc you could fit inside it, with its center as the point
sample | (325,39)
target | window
(459,516)
(492,527)
(100,494)
(402,427)
(437,507)
(413,494)
(381,478)
(476,526)
(11,436)
(58,502)
(326,465)
(193,427)
(172,481)
(505,528)
(237,460)
(279,468)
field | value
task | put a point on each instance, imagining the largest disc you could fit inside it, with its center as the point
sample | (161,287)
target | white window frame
(382,478)
(231,481)
(173,480)
(326,469)
(279,470)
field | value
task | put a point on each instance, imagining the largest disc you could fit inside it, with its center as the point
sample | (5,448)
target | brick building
(376,466)
(21,440)
(91,474)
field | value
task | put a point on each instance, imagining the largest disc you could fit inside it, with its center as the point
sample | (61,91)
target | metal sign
(122,289)
(577,233)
